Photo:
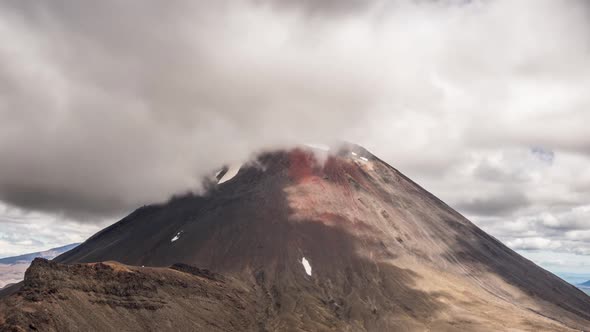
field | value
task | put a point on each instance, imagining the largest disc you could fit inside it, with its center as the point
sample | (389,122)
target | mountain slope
(12,269)
(383,253)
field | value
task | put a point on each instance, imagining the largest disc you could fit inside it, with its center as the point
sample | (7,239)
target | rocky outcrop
(113,297)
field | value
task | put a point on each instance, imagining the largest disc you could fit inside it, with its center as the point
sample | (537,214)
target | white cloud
(559,262)
(534,243)
(24,232)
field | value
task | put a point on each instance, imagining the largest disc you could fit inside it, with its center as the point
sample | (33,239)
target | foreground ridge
(111,296)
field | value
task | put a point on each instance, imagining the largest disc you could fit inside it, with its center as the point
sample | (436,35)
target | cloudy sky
(109,105)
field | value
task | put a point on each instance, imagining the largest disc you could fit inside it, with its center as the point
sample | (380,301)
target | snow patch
(231,172)
(353,153)
(176,237)
(364,159)
(306,266)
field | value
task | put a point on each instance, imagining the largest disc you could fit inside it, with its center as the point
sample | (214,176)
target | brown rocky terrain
(113,297)
(383,255)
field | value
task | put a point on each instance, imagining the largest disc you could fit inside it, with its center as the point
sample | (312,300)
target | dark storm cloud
(109,105)
(112,104)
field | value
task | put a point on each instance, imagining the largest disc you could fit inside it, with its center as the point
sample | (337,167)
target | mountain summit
(298,240)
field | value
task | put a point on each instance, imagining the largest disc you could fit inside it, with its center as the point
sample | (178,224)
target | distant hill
(47,254)
(585,284)
(12,269)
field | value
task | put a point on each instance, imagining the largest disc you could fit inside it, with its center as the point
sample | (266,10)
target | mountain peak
(342,240)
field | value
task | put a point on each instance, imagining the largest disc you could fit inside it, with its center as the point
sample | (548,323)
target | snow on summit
(231,172)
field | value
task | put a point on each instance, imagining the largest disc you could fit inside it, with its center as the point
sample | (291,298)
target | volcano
(299,240)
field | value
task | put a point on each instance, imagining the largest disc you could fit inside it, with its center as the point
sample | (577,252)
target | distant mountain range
(12,269)
(585,286)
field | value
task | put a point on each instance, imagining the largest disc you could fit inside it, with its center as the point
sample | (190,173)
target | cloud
(560,262)
(564,231)
(577,218)
(111,105)
(496,205)
(24,232)
(323,7)
(489,171)
(533,243)
(543,154)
